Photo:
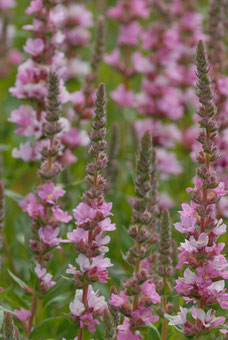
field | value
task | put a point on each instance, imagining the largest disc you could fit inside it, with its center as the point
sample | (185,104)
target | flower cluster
(43,206)
(92,220)
(139,294)
(9,56)
(203,280)
(77,20)
(125,59)
(32,77)
(167,85)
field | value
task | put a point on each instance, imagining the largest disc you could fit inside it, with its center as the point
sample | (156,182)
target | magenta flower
(49,193)
(48,235)
(123,97)
(44,277)
(22,314)
(34,46)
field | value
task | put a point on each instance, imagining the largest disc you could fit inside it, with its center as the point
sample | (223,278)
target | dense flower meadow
(113,169)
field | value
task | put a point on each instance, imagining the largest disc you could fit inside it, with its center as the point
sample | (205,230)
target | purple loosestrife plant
(92,222)
(125,58)
(43,205)
(165,268)
(32,77)
(75,26)
(84,99)
(139,294)
(203,282)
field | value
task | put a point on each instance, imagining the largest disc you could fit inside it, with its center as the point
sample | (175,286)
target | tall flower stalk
(139,294)
(203,281)
(165,268)
(92,222)
(43,205)
(32,77)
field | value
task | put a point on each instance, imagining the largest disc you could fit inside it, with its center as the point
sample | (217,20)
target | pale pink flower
(35,6)
(119,300)
(149,290)
(34,46)
(48,235)
(22,314)
(60,215)
(49,193)
(123,97)
(179,319)
(130,34)
(201,242)
(44,277)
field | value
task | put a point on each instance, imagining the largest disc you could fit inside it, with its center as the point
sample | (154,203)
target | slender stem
(164,321)
(33,311)
(137,270)
(84,301)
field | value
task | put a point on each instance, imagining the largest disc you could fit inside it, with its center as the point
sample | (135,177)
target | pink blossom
(15,57)
(133,10)
(123,97)
(144,314)
(188,220)
(31,206)
(22,314)
(141,64)
(25,118)
(119,300)
(49,193)
(35,6)
(84,214)
(150,291)
(44,277)
(201,242)
(129,34)
(179,319)
(73,138)
(167,163)
(48,235)
(209,320)
(114,58)
(6,4)
(94,268)
(222,84)
(25,152)
(89,321)
(125,333)
(34,46)
(60,215)
(96,304)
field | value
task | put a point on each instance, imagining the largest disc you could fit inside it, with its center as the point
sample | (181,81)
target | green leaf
(13,195)
(16,279)
(4,292)
(153,332)
(40,329)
